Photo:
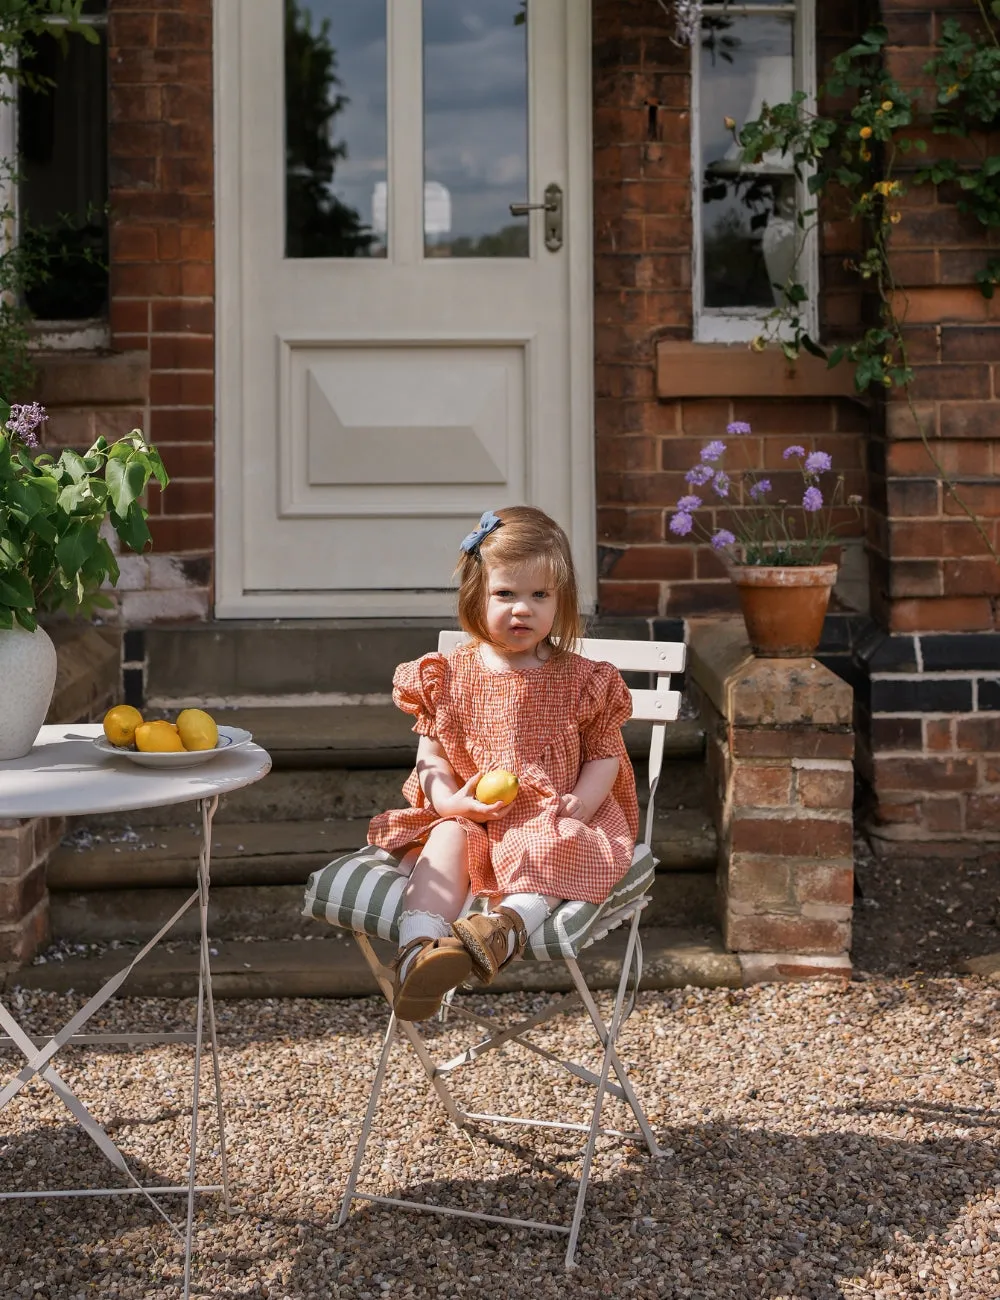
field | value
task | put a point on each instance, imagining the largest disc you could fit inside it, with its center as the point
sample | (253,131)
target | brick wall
(932,735)
(162,280)
(655,402)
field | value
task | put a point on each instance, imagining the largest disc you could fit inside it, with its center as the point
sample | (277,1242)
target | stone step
(307,794)
(305,736)
(275,911)
(92,859)
(253,661)
(334,967)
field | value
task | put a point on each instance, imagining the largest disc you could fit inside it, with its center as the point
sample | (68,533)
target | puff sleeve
(606,704)
(416,687)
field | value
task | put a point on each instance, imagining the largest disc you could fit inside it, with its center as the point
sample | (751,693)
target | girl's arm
(445,794)
(592,787)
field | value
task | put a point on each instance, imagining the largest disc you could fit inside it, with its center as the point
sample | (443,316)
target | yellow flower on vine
(896,218)
(886,105)
(953,90)
(866,155)
(885,188)
(865,133)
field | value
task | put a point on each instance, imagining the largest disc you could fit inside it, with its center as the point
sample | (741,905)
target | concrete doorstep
(333,967)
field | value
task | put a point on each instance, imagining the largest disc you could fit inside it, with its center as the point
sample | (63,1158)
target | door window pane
(475,128)
(335,128)
(749,231)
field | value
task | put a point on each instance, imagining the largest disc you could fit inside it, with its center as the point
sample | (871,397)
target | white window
(54,135)
(747,239)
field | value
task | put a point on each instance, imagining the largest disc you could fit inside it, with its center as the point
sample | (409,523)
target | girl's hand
(463,803)
(571,806)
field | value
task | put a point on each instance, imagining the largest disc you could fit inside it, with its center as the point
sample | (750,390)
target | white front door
(396,351)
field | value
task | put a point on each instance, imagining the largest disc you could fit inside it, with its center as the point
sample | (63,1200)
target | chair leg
(383,1062)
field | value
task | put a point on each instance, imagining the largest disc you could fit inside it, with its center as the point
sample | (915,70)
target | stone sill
(731,370)
(70,335)
(92,378)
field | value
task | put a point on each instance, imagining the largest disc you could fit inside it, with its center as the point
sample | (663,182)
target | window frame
(742,324)
(54,333)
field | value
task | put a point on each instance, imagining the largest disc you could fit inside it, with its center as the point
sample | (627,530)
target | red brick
(21,940)
(180,352)
(166,426)
(981,734)
(662,563)
(129,316)
(764,883)
(824,789)
(925,774)
(793,837)
(180,317)
(958,615)
(943,814)
(20,894)
(188,460)
(790,742)
(178,535)
(629,597)
(982,813)
(698,599)
(824,883)
(621,525)
(755,787)
(183,497)
(181,388)
(971,577)
(938,734)
(786,934)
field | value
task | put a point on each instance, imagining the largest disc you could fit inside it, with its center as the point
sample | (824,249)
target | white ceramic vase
(27,680)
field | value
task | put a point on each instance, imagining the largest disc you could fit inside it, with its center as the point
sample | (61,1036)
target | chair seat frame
(660,706)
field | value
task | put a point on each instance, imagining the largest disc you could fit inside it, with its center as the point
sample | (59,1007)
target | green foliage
(54,554)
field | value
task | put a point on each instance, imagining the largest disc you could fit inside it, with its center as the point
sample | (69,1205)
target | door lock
(553,209)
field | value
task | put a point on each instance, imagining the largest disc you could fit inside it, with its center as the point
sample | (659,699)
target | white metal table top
(64,777)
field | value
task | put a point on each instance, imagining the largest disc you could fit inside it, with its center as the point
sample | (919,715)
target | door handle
(553,209)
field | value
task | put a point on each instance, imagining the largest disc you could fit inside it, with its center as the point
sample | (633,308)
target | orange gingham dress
(542,724)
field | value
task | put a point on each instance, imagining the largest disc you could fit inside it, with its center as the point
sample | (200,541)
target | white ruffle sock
(420,925)
(533,909)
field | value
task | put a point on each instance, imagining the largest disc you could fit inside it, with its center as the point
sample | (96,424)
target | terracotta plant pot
(784,606)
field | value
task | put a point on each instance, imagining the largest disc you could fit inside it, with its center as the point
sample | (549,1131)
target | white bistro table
(63,776)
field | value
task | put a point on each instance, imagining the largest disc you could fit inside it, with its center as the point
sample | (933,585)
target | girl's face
(520,606)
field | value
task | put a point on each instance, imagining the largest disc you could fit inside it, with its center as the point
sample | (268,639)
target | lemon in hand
(197,729)
(159,737)
(497,784)
(120,724)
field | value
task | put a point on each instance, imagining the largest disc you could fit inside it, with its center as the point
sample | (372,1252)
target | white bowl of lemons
(194,738)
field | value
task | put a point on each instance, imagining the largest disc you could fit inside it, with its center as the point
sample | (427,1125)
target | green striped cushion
(363,891)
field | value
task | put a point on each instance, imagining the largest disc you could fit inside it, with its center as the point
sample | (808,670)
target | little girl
(515,697)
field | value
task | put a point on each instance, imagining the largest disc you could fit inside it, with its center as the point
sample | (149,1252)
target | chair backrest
(659,706)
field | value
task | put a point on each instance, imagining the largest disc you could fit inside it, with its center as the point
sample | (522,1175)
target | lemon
(159,737)
(497,784)
(120,724)
(197,729)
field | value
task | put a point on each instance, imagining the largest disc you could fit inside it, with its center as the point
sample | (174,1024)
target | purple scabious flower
(681,523)
(688,503)
(813,499)
(737,428)
(817,462)
(760,489)
(794,450)
(712,451)
(721,483)
(699,475)
(723,538)
(25,421)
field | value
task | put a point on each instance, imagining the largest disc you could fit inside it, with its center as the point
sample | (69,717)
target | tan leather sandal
(440,965)
(485,937)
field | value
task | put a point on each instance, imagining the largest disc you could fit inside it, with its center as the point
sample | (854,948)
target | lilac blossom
(818,461)
(813,499)
(700,475)
(721,483)
(25,421)
(723,538)
(794,450)
(688,503)
(760,489)
(712,451)
(737,428)
(681,524)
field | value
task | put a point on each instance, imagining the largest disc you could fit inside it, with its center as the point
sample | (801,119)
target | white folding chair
(362,892)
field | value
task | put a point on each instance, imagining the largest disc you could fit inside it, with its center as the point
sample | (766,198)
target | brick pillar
(163,279)
(930,744)
(780,744)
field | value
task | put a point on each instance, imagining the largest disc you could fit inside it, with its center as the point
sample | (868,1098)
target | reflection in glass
(749,231)
(335,128)
(475,128)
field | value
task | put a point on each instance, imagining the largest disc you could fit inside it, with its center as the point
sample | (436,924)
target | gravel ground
(822,1141)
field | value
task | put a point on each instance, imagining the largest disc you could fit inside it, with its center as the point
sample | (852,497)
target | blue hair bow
(486,525)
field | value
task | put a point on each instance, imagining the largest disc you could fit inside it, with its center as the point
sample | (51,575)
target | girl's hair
(525,536)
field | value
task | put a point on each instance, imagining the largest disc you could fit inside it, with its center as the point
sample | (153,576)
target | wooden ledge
(686,369)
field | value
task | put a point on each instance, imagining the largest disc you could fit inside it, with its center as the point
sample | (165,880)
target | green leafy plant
(54,549)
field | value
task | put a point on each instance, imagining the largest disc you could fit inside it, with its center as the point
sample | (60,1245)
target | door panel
(396,352)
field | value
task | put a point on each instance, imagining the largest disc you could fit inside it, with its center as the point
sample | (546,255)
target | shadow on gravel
(830,1206)
(924,914)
